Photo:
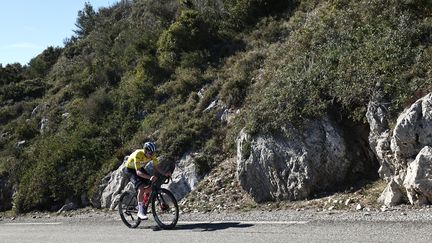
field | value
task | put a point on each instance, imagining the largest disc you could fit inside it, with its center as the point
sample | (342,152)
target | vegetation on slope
(133,72)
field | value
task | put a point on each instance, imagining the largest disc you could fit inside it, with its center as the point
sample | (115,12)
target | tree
(190,32)
(86,20)
(11,73)
(42,63)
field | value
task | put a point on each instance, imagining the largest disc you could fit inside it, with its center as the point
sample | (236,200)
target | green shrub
(42,63)
(189,33)
(80,152)
(335,58)
(239,76)
(97,105)
(185,81)
(243,13)
(33,88)
(212,153)
(27,129)
(11,73)
(8,113)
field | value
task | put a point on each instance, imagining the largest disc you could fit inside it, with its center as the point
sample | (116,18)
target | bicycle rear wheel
(128,209)
(165,209)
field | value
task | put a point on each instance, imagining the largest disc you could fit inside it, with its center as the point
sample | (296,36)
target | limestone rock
(114,188)
(413,130)
(418,180)
(404,152)
(292,164)
(392,194)
(184,178)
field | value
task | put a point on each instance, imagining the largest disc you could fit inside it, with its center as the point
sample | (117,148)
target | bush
(80,152)
(42,63)
(97,105)
(185,81)
(243,13)
(27,129)
(239,76)
(189,33)
(335,59)
(33,88)
(8,113)
(11,73)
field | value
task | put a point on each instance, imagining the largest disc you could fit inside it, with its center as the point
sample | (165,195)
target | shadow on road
(211,226)
(200,227)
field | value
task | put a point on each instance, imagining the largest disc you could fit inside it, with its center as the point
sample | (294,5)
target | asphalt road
(314,229)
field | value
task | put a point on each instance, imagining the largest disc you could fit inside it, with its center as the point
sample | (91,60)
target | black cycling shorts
(136,180)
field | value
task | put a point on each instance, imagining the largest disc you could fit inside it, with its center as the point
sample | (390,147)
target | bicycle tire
(165,208)
(128,210)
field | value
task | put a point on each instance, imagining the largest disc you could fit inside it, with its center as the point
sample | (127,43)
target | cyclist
(141,179)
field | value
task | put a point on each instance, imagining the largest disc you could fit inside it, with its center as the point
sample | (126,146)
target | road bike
(164,206)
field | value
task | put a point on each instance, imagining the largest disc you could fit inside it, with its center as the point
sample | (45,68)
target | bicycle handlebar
(165,181)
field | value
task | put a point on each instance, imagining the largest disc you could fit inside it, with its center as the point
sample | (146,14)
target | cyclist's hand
(153,178)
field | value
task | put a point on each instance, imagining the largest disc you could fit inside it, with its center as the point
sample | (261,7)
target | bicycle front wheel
(165,209)
(128,209)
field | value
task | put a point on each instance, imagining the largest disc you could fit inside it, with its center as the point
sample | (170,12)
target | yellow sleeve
(137,164)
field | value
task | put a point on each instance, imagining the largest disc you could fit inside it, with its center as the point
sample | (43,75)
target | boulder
(392,194)
(96,199)
(379,138)
(184,177)
(111,193)
(294,164)
(413,131)
(418,179)
(44,125)
(70,204)
(403,152)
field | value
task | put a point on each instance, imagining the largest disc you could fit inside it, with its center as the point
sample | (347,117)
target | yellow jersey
(138,160)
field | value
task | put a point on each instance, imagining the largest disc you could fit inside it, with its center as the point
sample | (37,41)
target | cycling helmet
(149,146)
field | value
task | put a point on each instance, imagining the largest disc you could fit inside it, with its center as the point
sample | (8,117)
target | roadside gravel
(397,214)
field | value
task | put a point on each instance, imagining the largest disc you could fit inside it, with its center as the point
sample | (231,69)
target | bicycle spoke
(165,209)
(127,210)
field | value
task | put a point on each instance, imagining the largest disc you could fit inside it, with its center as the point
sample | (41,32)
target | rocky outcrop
(418,179)
(404,152)
(379,138)
(293,164)
(184,177)
(44,125)
(116,185)
(219,190)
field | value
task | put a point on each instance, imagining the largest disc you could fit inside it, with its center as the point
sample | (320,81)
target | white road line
(274,222)
(55,223)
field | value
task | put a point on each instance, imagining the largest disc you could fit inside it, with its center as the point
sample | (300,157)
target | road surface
(327,228)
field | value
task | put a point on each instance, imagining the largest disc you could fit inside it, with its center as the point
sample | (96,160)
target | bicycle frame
(163,204)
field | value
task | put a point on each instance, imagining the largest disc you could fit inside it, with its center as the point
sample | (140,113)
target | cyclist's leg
(145,188)
(137,182)
(142,185)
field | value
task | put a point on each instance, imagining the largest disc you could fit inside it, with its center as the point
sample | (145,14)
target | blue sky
(29,26)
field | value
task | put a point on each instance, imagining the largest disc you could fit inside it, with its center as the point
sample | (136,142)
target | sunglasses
(148,152)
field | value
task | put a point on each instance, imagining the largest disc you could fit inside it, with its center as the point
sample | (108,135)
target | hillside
(152,70)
